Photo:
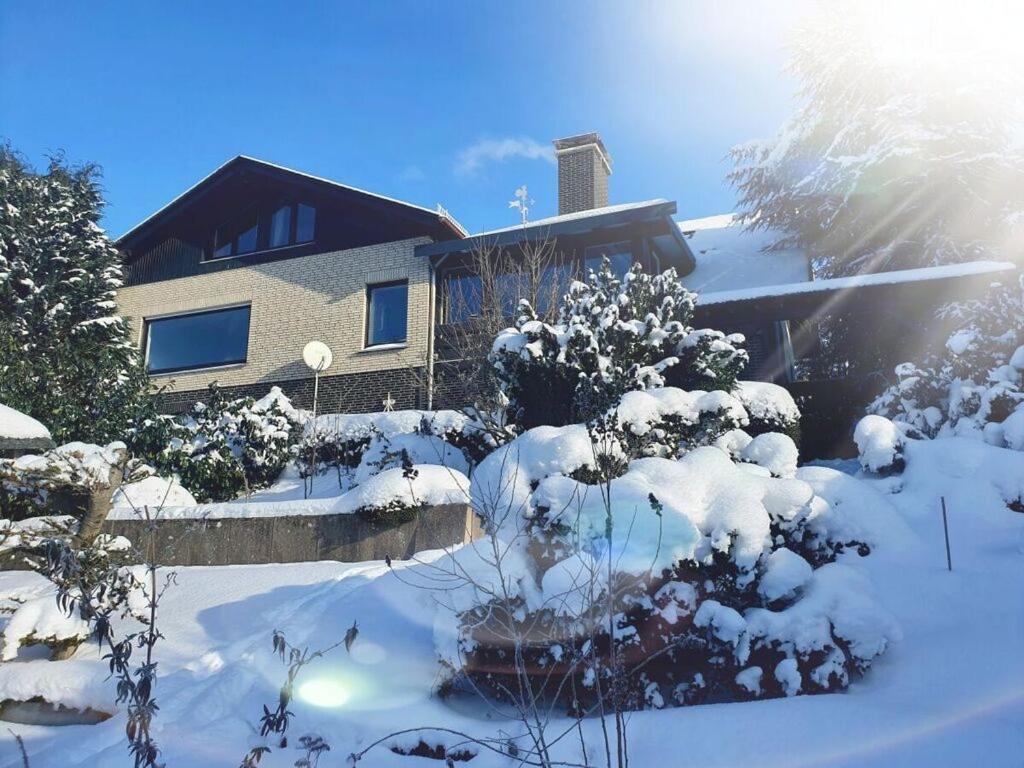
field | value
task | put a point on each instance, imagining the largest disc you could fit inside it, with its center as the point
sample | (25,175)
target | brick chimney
(584,166)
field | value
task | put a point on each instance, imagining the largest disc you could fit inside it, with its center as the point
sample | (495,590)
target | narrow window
(237,237)
(197,340)
(281,227)
(386,311)
(305,223)
(619,255)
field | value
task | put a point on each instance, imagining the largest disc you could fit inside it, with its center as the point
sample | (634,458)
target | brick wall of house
(295,301)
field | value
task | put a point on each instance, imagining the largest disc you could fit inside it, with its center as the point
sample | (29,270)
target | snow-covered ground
(949,693)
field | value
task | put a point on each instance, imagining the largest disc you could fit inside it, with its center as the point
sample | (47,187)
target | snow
(764,400)
(585,214)
(965,269)
(353,426)
(153,492)
(774,451)
(18,426)
(432,485)
(878,441)
(948,692)
(39,620)
(784,573)
(731,258)
(73,461)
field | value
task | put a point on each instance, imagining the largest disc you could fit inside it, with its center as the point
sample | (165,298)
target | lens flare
(324,692)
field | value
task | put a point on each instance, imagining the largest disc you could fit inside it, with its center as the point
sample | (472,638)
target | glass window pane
(463,293)
(512,288)
(198,340)
(281,227)
(305,223)
(620,256)
(387,313)
(222,251)
(247,239)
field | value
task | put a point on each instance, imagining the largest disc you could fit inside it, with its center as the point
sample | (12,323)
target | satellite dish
(317,356)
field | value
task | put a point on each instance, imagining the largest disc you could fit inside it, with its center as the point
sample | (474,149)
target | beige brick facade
(294,301)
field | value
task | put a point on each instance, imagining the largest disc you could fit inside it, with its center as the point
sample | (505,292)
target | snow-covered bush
(974,385)
(879,444)
(364,443)
(396,494)
(75,479)
(770,407)
(222,448)
(611,337)
(651,569)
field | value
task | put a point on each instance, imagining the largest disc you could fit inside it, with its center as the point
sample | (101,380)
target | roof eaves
(442,215)
(552,228)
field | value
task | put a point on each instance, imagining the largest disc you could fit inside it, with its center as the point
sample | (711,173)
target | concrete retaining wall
(295,539)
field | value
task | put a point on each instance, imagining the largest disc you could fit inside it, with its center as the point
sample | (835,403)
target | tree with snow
(973,386)
(610,337)
(901,153)
(65,356)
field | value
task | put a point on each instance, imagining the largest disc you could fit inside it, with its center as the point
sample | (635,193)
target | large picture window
(386,312)
(197,340)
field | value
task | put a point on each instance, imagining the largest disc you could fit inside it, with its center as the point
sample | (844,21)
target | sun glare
(324,692)
(938,35)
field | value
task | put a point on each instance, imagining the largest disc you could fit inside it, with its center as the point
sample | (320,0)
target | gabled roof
(439,219)
(578,223)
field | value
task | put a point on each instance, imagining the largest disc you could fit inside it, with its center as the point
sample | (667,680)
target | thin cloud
(471,159)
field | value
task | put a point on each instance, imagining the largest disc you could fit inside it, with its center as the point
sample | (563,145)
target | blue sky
(451,102)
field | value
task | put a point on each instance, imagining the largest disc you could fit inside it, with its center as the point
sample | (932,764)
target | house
(229,281)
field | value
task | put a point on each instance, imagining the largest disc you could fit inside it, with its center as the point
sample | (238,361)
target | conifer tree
(65,355)
(904,150)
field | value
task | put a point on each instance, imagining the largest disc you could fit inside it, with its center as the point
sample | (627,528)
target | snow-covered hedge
(222,448)
(357,446)
(611,337)
(974,386)
(702,560)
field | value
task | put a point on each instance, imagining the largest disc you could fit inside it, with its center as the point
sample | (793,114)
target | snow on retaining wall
(299,538)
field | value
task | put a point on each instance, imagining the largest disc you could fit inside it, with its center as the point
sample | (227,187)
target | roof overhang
(671,243)
(441,224)
(814,298)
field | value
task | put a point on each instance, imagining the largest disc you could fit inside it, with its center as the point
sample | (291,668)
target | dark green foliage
(222,448)
(66,358)
(612,336)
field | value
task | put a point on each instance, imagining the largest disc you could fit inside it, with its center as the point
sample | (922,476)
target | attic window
(260,229)
(237,237)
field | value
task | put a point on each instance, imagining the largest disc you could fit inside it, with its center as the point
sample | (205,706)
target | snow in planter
(708,559)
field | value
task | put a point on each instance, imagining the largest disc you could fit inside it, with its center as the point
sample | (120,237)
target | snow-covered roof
(552,220)
(731,258)
(18,430)
(965,269)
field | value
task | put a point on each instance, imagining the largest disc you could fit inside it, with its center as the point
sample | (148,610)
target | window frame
(368,296)
(264,221)
(147,339)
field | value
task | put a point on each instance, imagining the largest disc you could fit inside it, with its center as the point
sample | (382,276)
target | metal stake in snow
(318,358)
(945,528)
